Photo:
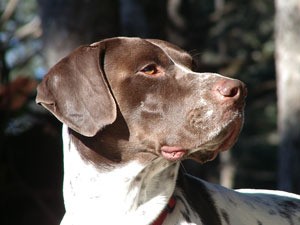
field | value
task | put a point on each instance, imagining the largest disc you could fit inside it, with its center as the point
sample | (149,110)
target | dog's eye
(150,70)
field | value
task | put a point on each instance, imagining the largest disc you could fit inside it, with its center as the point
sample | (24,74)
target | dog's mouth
(173,153)
(205,152)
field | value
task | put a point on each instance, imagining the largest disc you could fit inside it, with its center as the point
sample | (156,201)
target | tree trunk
(228,169)
(70,23)
(287,40)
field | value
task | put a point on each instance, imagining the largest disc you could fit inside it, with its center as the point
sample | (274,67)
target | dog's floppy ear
(75,90)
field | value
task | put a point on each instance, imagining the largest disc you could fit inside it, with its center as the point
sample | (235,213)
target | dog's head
(128,98)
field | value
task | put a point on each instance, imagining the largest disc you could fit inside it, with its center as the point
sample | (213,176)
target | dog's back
(218,205)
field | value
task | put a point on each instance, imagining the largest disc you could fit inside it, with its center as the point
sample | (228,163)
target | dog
(132,110)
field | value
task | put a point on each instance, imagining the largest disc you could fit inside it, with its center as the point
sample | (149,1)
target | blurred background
(255,41)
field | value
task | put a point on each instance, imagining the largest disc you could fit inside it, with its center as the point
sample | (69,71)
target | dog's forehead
(136,50)
(177,55)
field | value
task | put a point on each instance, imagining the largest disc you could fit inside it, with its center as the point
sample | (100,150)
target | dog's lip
(224,143)
(173,153)
(229,139)
(224,146)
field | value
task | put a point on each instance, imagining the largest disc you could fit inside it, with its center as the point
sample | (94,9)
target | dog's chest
(91,197)
(126,194)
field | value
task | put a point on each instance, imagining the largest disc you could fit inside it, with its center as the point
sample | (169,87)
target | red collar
(168,209)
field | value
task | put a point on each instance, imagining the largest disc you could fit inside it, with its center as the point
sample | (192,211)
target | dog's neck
(128,193)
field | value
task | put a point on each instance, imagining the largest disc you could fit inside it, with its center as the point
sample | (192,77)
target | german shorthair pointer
(132,110)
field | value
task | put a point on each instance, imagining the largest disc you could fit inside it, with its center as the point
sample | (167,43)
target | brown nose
(230,90)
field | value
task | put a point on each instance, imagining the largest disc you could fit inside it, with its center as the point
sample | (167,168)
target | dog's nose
(230,89)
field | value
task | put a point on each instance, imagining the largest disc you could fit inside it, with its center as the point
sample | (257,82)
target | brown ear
(76,92)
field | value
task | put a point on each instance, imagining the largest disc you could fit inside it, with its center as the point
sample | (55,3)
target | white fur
(95,197)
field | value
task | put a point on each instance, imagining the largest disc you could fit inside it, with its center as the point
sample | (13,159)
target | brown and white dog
(132,110)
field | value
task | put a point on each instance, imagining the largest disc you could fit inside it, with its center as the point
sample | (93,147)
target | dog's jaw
(132,193)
